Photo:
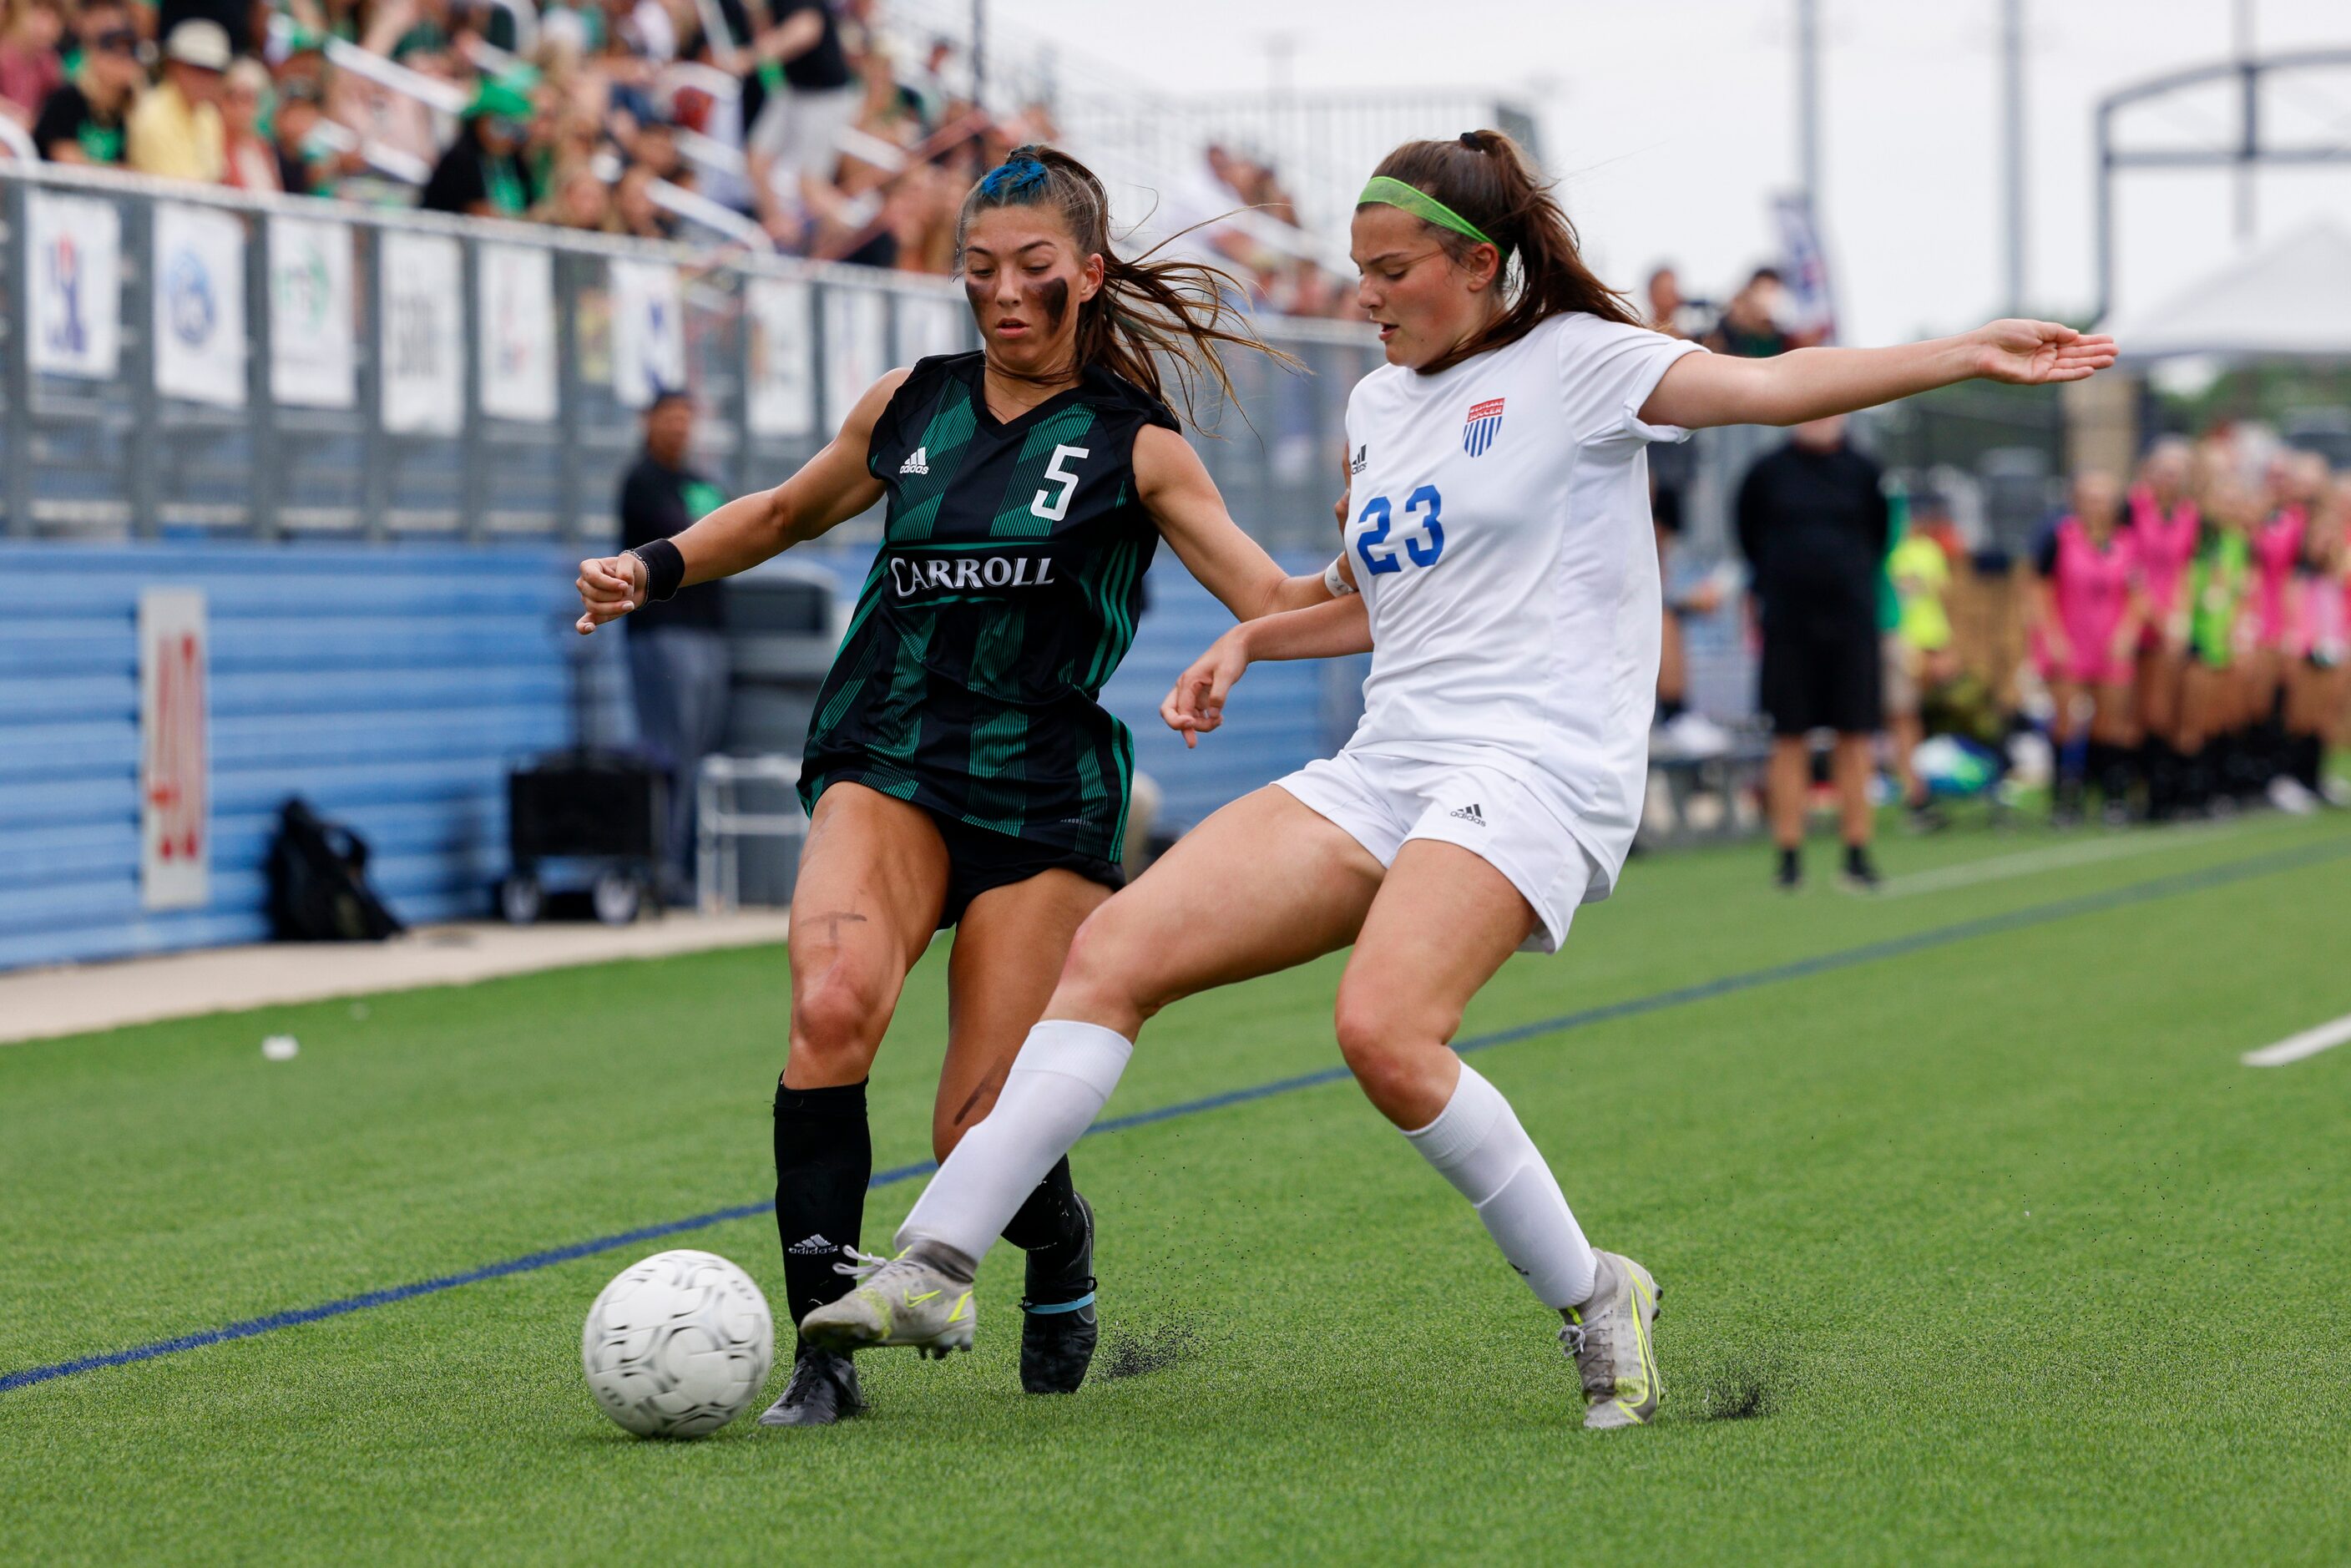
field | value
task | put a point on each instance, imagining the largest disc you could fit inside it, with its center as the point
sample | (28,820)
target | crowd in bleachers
(784,122)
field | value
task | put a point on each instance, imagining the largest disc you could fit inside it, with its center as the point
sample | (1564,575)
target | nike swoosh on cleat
(918,1301)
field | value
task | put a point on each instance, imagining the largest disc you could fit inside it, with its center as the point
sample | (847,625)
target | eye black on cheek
(1053,297)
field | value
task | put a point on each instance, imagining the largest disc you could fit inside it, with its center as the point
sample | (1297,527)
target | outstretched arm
(1700,390)
(1330,630)
(1174,487)
(831,488)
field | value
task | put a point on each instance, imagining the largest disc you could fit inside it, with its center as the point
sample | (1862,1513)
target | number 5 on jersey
(1423,539)
(1053,509)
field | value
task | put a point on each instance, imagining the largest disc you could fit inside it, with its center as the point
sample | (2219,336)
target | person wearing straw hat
(176,131)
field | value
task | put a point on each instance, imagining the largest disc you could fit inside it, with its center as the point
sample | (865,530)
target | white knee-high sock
(1477,1143)
(1058,1085)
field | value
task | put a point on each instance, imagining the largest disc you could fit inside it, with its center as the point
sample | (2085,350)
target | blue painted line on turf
(1632,1007)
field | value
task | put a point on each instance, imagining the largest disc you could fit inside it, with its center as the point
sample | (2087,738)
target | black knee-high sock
(2308,761)
(1048,1225)
(824,1158)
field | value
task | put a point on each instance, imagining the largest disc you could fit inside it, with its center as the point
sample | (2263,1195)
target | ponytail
(1486,178)
(1147,313)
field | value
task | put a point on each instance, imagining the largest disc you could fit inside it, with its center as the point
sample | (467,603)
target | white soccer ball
(678,1345)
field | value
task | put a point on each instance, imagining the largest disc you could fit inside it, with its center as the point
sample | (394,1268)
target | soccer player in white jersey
(1497,529)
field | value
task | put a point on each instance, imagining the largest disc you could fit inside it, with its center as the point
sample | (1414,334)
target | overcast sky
(1671,123)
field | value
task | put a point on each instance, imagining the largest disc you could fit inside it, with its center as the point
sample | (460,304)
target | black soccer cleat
(1058,1326)
(824,1390)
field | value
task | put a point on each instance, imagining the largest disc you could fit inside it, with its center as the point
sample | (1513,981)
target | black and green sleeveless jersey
(1004,593)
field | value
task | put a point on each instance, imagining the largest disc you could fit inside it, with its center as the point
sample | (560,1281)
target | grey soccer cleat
(1610,1338)
(905,1300)
(824,1390)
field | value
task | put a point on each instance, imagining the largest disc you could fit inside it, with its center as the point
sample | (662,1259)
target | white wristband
(1336,582)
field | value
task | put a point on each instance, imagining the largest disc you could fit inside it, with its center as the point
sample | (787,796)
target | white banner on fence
(421,343)
(200,304)
(311,351)
(925,327)
(855,354)
(76,251)
(648,333)
(175,847)
(781,314)
(516,315)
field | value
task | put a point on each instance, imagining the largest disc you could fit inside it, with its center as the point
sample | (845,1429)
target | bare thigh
(1264,884)
(1443,923)
(1009,949)
(2114,719)
(874,878)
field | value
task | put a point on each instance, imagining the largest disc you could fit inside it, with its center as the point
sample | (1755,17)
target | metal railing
(774,349)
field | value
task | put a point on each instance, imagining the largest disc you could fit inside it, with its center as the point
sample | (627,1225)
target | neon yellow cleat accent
(1612,1338)
(898,1301)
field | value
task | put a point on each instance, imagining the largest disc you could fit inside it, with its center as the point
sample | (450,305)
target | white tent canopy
(2290,300)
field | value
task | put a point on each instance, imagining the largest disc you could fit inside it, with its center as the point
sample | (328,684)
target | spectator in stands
(808,95)
(30,69)
(482,174)
(637,212)
(1751,326)
(83,121)
(677,650)
(1813,525)
(175,133)
(578,199)
(311,160)
(251,162)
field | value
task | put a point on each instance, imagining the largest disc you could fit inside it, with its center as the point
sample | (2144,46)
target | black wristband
(665,568)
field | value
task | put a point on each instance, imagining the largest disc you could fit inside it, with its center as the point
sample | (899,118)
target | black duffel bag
(318,889)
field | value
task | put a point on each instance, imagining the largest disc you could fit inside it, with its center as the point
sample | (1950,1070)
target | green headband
(1391,192)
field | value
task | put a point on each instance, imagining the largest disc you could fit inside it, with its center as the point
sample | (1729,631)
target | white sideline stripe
(2030,863)
(2295,1047)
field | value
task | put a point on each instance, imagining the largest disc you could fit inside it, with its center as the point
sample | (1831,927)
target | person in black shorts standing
(1813,525)
(678,666)
(960,770)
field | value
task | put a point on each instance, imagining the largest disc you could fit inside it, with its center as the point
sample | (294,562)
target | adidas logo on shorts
(1470,813)
(811,1246)
(917,462)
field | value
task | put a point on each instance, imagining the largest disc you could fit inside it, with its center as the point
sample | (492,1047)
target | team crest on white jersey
(1484,422)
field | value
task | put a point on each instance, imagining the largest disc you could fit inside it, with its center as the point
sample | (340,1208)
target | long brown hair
(1488,178)
(1147,313)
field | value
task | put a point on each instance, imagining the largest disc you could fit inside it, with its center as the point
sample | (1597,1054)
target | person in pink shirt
(2086,643)
(2163,524)
(2295,481)
(2318,676)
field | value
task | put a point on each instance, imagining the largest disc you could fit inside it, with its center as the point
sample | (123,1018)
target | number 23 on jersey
(1421,541)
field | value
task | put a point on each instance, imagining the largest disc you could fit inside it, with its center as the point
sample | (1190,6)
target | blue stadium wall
(392,687)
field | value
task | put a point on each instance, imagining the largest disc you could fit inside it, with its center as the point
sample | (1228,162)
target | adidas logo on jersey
(1470,813)
(917,462)
(1363,458)
(811,1246)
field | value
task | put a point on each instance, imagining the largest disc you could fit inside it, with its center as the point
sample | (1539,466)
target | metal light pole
(2250,138)
(2011,104)
(1808,102)
(980,53)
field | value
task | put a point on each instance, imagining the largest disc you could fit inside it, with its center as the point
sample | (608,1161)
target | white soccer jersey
(1500,529)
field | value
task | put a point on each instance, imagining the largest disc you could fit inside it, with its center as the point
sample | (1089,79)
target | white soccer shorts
(1382,800)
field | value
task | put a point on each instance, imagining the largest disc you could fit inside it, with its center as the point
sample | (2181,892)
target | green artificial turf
(1981,1249)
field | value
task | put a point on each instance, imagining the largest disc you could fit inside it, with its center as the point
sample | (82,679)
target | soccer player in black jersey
(960,770)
